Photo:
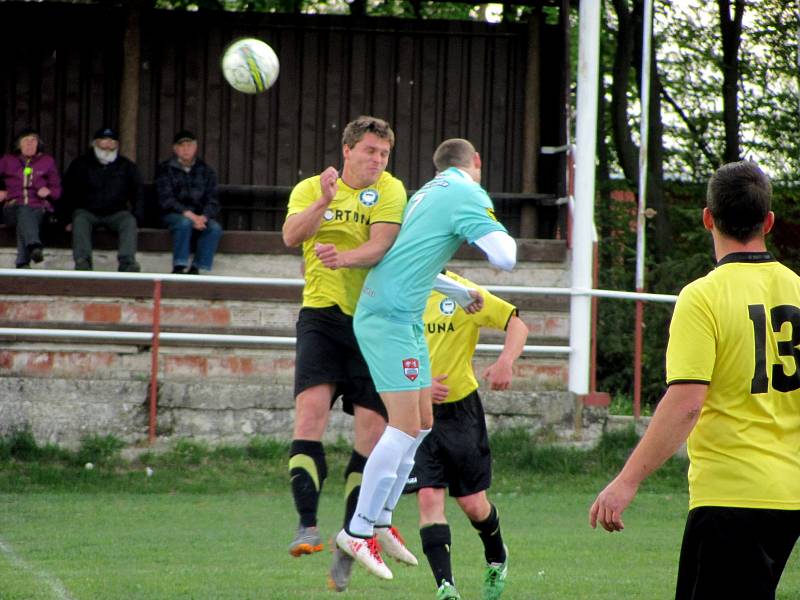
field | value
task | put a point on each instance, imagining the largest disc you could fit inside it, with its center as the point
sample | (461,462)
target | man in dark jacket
(187,192)
(104,189)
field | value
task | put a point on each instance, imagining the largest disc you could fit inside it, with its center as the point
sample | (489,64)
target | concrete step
(64,410)
(268,366)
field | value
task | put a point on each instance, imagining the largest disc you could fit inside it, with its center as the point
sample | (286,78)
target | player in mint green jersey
(448,210)
(733,376)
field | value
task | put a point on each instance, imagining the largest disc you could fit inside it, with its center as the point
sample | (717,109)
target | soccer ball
(250,65)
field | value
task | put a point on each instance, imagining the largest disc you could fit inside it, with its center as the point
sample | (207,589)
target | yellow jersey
(345,224)
(738,330)
(452,335)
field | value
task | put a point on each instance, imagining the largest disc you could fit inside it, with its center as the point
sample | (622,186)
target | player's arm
(499,373)
(470,299)
(500,248)
(673,421)
(302,225)
(381,238)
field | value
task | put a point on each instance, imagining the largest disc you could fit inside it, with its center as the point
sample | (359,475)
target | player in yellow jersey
(359,211)
(733,376)
(456,453)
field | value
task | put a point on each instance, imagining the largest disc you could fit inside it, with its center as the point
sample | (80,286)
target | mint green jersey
(448,210)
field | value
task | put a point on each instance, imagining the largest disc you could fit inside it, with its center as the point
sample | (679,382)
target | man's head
(366,145)
(738,200)
(184,144)
(460,153)
(105,143)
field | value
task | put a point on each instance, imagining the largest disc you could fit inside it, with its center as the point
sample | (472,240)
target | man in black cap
(187,192)
(104,189)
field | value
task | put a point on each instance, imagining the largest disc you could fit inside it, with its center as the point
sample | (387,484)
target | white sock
(403,471)
(380,473)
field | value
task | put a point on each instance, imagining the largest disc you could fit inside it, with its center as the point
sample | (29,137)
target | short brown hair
(359,127)
(455,152)
(739,196)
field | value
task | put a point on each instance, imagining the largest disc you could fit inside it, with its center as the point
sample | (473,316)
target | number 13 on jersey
(781,380)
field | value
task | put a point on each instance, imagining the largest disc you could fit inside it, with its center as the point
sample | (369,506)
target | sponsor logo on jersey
(411,368)
(447,307)
(352,216)
(432,328)
(490,212)
(368,197)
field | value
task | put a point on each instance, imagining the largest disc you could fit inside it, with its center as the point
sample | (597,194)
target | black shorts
(327,352)
(455,454)
(735,552)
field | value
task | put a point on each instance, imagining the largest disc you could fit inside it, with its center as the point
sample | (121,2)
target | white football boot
(392,544)
(365,551)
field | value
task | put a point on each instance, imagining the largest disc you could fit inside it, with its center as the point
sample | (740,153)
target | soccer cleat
(306,541)
(494,579)
(339,575)
(392,544)
(447,591)
(365,551)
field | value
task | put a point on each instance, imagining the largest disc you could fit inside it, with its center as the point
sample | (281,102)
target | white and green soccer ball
(250,65)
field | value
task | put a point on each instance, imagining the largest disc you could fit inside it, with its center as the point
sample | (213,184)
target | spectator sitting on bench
(31,183)
(187,193)
(104,189)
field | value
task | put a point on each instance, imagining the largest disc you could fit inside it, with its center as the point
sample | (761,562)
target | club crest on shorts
(447,307)
(411,368)
(328,215)
(368,197)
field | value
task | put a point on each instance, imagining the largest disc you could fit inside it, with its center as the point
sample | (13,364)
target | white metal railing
(223,339)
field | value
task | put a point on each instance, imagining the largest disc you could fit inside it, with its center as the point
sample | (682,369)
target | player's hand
(3,195)
(43,192)
(328,181)
(498,375)
(611,503)
(477,302)
(328,255)
(439,390)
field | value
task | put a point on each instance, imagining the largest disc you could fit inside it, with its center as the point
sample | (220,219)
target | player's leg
(317,367)
(369,424)
(380,473)
(390,539)
(307,465)
(434,532)
(466,440)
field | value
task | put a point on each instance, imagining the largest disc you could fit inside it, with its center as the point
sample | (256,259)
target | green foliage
(99,450)
(20,445)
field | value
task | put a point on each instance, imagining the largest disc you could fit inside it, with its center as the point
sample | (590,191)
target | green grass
(214,524)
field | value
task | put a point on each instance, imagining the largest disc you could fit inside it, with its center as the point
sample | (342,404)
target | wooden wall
(430,79)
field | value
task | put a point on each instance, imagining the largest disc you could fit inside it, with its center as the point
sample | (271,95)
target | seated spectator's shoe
(193,270)
(365,551)
(130,266)
(494,579)
(36,252)
(25,266)
(341,568)
(179,270)
(83,265)
(447,591)
(306,541)
(394,546)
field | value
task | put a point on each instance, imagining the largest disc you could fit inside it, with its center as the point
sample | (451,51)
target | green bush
(100,450)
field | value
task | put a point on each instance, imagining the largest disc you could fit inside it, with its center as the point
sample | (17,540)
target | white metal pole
(586,144)
(643,145)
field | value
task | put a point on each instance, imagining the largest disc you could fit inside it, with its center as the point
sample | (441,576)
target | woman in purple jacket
(32,184)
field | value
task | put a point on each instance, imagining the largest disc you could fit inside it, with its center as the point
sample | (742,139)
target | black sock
(352,485)
(307,469)
(436,546)
(489,532)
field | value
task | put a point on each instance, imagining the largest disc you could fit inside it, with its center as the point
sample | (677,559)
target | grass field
(216,525)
